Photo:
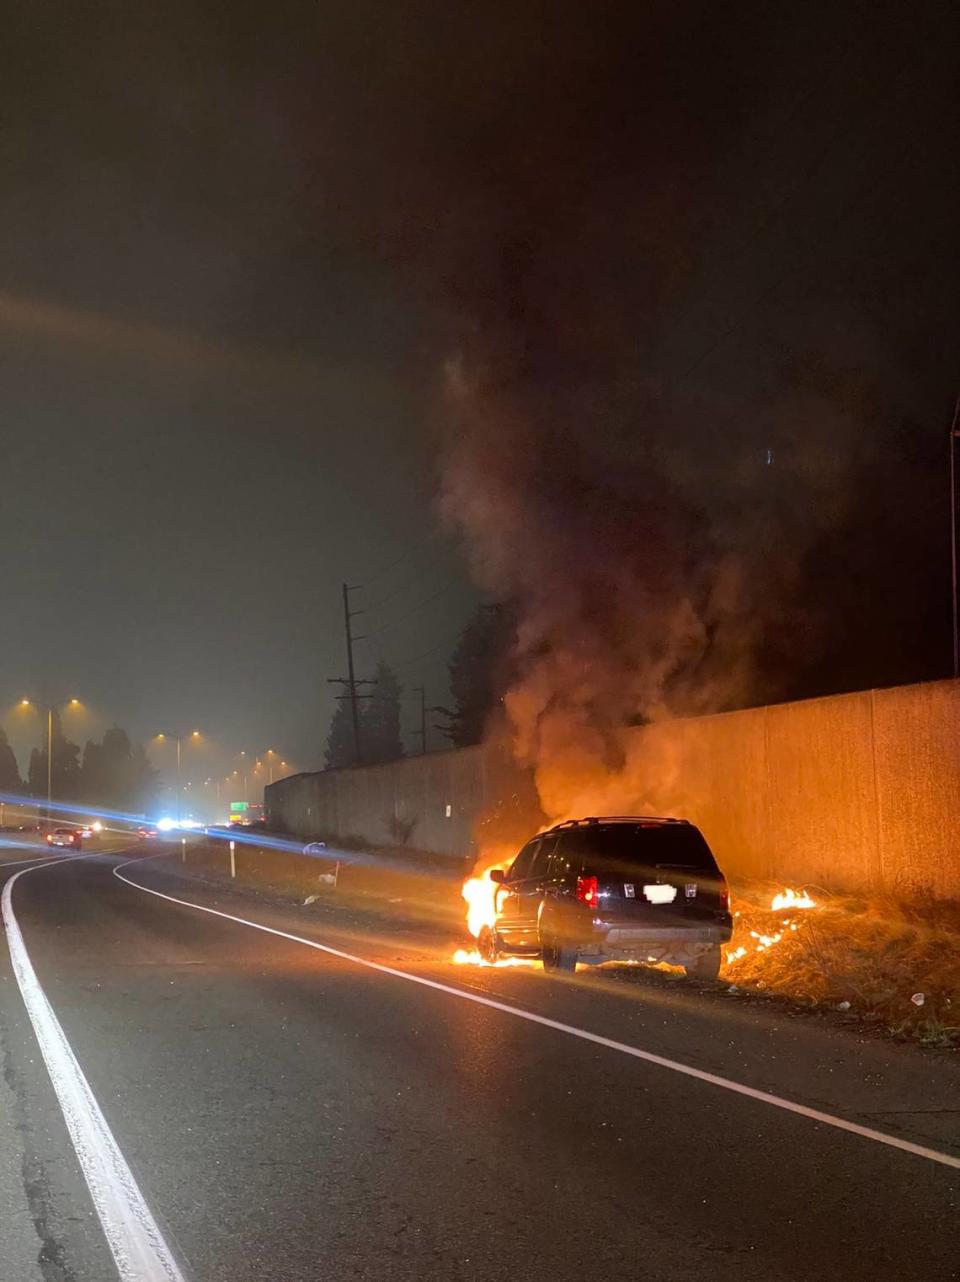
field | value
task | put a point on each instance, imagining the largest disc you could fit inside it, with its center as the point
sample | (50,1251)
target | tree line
(110,774)
(480,673)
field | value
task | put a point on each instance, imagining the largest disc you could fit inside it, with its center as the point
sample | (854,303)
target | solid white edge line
(133,1236)
(712,1079)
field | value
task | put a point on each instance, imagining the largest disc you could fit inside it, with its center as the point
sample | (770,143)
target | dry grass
(875,955)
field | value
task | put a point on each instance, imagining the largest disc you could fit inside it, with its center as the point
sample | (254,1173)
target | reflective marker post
(233,860)
(183,849)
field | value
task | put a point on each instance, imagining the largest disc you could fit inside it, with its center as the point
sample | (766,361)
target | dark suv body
(613,889)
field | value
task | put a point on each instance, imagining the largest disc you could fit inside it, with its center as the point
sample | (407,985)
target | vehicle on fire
(612,889)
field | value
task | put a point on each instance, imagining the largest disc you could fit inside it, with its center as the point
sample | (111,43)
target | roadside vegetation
(881,960)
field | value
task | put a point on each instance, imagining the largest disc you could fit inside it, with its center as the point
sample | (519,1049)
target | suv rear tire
(705,965)
(558,958)
(487,945)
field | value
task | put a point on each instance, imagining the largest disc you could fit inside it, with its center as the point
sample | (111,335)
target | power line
(404,555)
(418,607)
(404,586)
(351,682)
(407,663)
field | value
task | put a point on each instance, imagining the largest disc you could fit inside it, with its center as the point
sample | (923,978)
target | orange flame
(790,899)
(470,957)
(480,894)
(786,899)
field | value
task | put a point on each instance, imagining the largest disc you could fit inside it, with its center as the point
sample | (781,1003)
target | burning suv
(612,889)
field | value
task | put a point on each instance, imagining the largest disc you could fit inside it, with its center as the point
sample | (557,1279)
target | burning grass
(882,960)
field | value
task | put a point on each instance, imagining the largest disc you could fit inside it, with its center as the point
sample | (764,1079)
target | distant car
(86,832)
(147,832)
(613,889)
(67,837)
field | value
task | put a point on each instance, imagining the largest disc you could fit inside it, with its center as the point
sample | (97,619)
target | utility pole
(50,753)
(354,707)
(179,785)
(350,681)
(422,732)
(954,433)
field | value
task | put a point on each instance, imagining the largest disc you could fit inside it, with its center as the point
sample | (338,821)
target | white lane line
(712,1079)
(136,1243)
(34,859)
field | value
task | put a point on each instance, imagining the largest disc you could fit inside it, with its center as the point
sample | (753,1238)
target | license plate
(660,894)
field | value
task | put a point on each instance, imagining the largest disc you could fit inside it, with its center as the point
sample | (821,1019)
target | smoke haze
(685,337)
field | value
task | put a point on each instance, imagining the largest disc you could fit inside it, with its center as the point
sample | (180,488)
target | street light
(51,709)
(193,735)
(271,759)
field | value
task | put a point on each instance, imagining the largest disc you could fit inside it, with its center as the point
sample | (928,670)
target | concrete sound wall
(856,792)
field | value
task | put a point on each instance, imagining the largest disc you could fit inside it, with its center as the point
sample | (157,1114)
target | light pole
(51,709)
(179,737)
(271,759)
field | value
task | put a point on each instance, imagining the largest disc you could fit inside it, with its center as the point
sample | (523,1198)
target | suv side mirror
(498,875)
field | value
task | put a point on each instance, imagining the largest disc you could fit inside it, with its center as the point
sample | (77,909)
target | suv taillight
(587,891)
(724,896)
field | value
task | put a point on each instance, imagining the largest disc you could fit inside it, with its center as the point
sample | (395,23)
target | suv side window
(564,858)
(541,859)
(522,864)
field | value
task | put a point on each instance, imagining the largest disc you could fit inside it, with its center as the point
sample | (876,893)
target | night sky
(240,246)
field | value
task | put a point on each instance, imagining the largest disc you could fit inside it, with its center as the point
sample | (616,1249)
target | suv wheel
(557,958)
(487,945)
(706,965)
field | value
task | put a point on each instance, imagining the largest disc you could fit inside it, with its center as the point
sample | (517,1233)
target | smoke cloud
(665,429)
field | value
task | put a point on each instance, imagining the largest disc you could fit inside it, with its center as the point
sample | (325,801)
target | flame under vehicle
(612,889)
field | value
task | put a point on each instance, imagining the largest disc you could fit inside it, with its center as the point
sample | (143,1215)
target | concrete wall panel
(856,792)
(917,738)
(820,792)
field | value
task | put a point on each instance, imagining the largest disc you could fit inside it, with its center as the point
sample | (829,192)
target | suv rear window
(608,847)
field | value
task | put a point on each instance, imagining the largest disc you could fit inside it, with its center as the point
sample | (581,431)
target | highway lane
(291,1115)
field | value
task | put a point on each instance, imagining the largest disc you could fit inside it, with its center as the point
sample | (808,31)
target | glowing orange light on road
(470,957)
(790,899)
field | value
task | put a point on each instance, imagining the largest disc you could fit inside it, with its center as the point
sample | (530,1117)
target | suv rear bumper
(637,936)
(656,943)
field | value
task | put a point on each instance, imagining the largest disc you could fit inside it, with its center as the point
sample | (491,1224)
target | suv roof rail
(605,819)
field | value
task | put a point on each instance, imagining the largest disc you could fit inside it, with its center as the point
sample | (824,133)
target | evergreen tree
(65,774)
(340,747)
(116,774)
(10,781)
(479,674)
(380,736)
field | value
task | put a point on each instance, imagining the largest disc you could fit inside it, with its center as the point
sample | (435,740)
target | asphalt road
(291,1114)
